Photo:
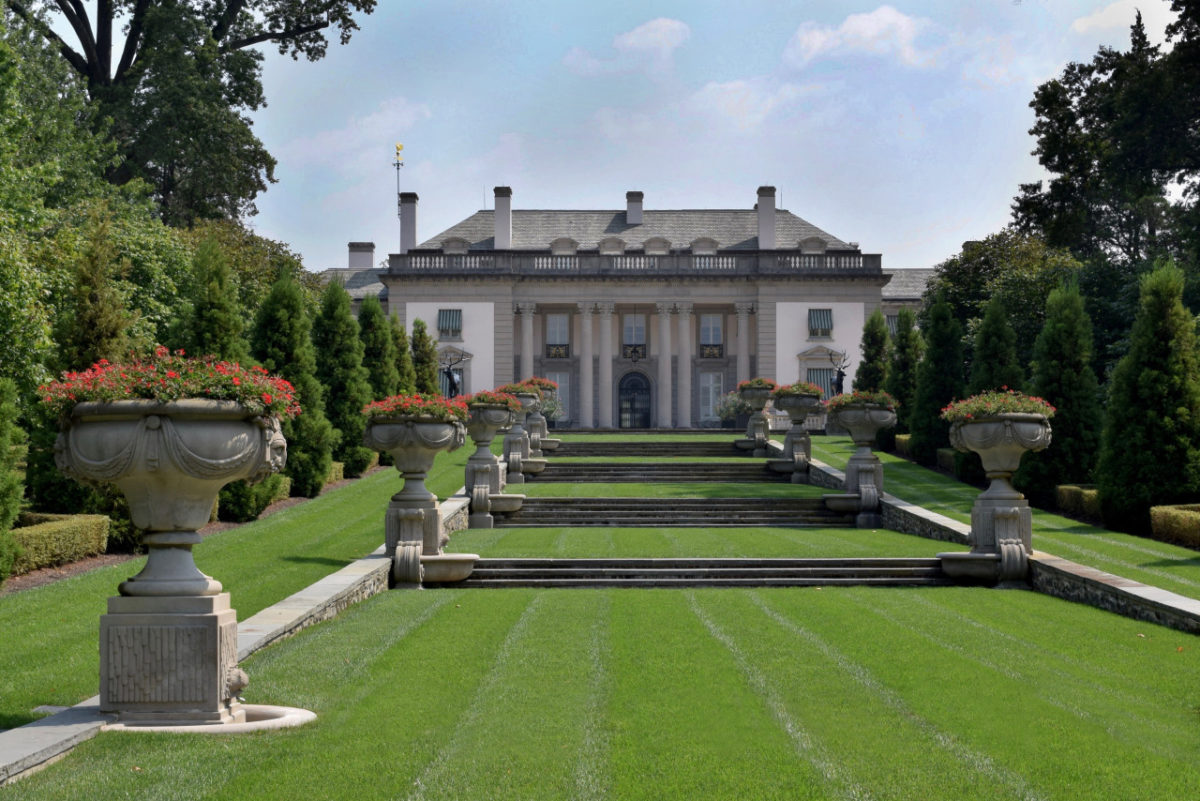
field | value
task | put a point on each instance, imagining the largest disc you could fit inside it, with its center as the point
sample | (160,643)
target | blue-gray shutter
(449,320)
(820,319)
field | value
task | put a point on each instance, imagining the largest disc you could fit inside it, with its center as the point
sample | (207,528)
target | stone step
(637,448)
(672,512)
(659,473)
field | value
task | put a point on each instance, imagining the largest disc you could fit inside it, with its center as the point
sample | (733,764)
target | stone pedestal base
(412,529)
(1001,539)
(170,660)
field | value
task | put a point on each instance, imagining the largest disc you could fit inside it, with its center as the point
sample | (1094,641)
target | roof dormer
(564,246)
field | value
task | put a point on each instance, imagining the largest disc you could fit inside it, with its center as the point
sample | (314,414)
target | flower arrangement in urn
(543,385)
(490,397)
(994,403)
(801,389)
(875,398)
(519,389)
(757,383)
(431,408)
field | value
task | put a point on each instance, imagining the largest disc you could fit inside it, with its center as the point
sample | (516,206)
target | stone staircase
(673,512)
(705,573)
(636,447)
(659,472)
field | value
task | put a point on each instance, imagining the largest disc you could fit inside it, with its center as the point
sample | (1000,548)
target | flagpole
(399,162)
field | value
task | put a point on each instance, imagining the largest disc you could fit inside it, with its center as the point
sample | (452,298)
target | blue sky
(903,127)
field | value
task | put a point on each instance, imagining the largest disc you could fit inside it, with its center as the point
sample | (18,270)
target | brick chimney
(503,216)
(766,218)
(408,221)
(362,256)
(633,208)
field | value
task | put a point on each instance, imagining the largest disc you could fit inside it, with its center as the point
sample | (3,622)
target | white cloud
(366,139)
(883,32)
(744,104)
(649,46)
(1156,14)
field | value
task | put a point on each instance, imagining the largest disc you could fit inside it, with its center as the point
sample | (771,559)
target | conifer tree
(340,371)
(10,481)
(995,364)
(379,349)
(406,374)
(281,342)
(1150,451)
(939,381)
(425,359)
(215,326)
(901,384)
(1063,375)
(872,370)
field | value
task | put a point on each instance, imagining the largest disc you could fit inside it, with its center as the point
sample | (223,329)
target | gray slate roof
(907,284)
(734,229)
(359,283)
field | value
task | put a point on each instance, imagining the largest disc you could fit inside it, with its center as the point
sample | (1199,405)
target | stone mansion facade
(645,318)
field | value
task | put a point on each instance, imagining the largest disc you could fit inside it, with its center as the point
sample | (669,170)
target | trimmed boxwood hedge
(46,540)
(1178,524)
(1079,500)
(241,502)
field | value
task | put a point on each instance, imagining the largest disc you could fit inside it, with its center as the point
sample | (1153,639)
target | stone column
(664,364)
(526,310)
(606,364)
(743,340)
(684,401)
(586,408)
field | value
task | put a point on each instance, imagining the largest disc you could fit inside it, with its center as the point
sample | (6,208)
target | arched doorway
(633,401)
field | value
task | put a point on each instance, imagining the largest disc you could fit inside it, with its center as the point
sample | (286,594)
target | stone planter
(168,645)
(864,472)
(1001,520)
(758,427)
(539,426)
(485,474)
(413,523)
(519,455)
(797,447)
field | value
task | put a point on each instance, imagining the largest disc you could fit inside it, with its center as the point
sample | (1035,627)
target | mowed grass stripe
(1024,724)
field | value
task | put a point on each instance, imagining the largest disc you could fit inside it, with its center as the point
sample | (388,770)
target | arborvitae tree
(406,381)
(901,384)
(281,343)
(10,481)
(340,371)
(939,381)
(994,365)
(872,370)
(215,325)
(425,359)
(1062,374)
(379,348)
(96,320)
(1150,453)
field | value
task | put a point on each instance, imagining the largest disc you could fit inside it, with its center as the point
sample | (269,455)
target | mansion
(644,318)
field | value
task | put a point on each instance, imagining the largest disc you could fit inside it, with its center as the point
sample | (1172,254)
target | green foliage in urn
(872,370)
(342,374)
(856,398)
(214,325)
(433,408)
(731,405)
(991,404)
(406,374)
(757,383)
(520,388)
(379,349)
(542,385)
(11,487)
(1062,374)
(489,397)
(801,389)
(425,359)
(994,359)
(1150,453)
(939,381)
(281,341)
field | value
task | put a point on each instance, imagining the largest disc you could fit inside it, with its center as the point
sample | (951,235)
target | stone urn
(864,472)
(413,524)
(519,454)
(797,446)
(168,644)
(757,428)
(485,473)
(538,424)
(1001,520)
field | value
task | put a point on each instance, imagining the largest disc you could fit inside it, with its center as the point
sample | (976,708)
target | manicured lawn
(761,542)
(693,694)
(51,633)
(696,489)
(1160,564)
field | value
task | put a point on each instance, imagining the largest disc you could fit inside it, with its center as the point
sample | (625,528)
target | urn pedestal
(797,446)
(758,429)
(519,455)
(1001,520)
(413,521)
(168,645)
(485,474)
(864,472)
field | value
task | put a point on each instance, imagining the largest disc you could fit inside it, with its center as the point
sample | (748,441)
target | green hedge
(337,472)
(241,502)
(903,446)
(1079,500)
(946,459)
(1178,524)
(46,540)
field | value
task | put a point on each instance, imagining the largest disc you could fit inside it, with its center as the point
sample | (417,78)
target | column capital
(684,308)
(604,309)
(664,307)
(743,308)
(586,306)
(524,307)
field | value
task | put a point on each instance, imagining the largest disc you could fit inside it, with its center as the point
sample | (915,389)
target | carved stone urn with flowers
(755,393)
(488,412)
(863,414)
(536,422)
(519,454)
(1000,426)
(798,400)
(169,432)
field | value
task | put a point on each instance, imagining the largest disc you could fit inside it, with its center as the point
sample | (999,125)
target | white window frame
(712,329)
(563,379)
(712,385)
(633,329)
(558,329)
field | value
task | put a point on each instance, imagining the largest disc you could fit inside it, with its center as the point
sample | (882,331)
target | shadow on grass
(1193,562)
(316,560)
(8,721)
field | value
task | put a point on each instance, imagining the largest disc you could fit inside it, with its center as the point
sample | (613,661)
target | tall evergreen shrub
(281,342)
(939,381)
(425,359)
(1150,451)
(994,365)
(1063,375)
(11,488)
(215,325)
(901,383)
(406,374)
(379,349)
(340,371)
(872,370)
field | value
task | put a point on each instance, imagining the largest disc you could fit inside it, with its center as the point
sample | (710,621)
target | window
(820,322)
(892,322)
(444,382)
(635,329)
(823,378)
(563,379)
(711,385)
(558,336)
(449,324)
(710,336)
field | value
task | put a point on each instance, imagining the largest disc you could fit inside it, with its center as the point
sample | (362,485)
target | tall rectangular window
(449,324)
(635,330)
(450,390)
(558,336)
(823,378)
(711,386)
(711,336)
(563,379)
(820,322)
(893,320)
